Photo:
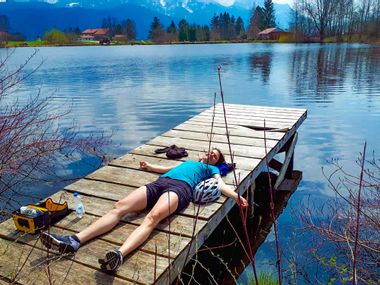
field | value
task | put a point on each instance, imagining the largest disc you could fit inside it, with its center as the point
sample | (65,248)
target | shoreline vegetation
(346,40)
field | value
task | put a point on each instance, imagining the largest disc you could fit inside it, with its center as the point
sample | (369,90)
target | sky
(283,1)
(231,2)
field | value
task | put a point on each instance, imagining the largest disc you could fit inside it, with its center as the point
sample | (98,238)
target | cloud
(226,3)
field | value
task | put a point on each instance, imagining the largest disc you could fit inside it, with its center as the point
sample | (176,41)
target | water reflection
(138,92)
(262,63)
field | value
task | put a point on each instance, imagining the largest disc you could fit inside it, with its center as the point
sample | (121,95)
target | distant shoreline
(141,43)
(146,43)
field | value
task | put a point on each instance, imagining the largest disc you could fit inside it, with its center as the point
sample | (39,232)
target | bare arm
(229,192)
(154,168)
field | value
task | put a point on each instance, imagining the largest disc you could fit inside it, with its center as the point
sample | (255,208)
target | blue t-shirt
(192,172)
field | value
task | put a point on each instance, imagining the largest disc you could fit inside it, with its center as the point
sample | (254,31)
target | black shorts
(162,185)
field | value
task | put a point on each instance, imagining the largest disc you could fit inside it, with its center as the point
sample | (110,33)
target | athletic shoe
(112,261)
(60,243)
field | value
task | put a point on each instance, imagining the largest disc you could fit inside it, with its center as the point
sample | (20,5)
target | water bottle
(30,212)
(79,208)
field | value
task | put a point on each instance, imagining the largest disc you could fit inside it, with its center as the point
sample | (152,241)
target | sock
(121,256)
(74,242)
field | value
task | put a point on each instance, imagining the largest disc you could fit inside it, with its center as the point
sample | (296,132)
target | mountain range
(34,17)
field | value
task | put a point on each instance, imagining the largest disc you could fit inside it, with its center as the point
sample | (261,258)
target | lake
(138,92)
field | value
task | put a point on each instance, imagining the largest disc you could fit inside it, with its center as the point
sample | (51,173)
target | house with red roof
(99,34)
(4,36)
(271,34)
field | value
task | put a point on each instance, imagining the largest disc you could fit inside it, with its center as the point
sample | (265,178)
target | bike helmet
(206,191)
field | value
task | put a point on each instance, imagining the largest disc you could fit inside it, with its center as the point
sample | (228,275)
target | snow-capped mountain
(89,13)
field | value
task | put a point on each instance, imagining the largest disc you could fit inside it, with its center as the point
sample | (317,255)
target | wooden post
(287,161)
(251,194)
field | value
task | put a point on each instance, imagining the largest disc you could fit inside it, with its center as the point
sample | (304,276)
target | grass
(264,279)
(355,38)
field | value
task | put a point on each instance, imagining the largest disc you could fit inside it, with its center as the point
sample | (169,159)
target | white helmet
(206,191)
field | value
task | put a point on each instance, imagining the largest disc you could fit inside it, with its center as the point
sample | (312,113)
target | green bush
(55,36)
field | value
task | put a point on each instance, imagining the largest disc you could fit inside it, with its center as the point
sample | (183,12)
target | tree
(4,23)
(203,33)
(77,31)
(239,27)
(128,28)
(269,20)
(215,28)
(256,24)
(342,19)
(156,32)
(55,36)
(131,30)
(172,32)
(183,31)
(193,33)
(172,29)
(118,29)
(110,23)
(346,229)
(32,143)
(320,11)
(223,27)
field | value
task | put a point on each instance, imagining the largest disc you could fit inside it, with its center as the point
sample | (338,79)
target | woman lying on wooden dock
(169,194)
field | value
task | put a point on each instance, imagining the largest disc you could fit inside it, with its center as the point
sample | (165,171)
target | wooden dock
(161,258)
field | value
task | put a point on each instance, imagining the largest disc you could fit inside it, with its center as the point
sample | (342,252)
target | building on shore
(97,35)
(271,34)
(120,38)
(4,37)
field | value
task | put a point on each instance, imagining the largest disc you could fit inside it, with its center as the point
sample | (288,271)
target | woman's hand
(145,165)
(242,202)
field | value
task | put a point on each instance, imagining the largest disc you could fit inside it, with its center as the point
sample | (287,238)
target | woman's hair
(221,156)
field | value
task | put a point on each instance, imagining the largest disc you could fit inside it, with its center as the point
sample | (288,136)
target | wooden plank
(219,138)
(233,130)
(178,224)
(239,107)
(2,280)
(124,176)
(256,110)
(133,160)
(207,126)
(129,161)
(205,211)
(255,152)
(254,113)
(97,188)
(137,267)
(160,241)
(137,178)
(100,189)
(245,163)
(34,271)
(243,122)
(251,116)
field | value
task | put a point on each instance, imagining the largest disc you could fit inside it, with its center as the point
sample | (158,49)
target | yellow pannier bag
(48,213)
(31,224)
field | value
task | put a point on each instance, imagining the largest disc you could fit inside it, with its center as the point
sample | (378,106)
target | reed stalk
(242,215)
(354,277)
(278,257)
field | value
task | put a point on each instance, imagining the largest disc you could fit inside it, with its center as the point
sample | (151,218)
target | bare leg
(165,206)
(134,202)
